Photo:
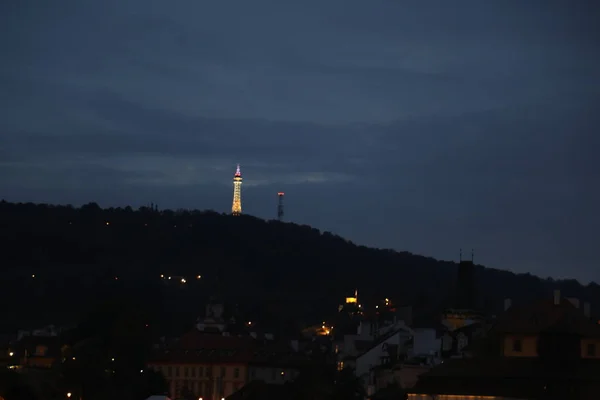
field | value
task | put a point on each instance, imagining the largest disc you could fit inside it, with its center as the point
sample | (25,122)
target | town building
(206,365)
(548,349)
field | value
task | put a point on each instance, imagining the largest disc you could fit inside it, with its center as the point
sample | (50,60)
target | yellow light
(199,277)
(73,358)
(282,373)
(162,276)
(112,359)
(10,354)
(249,322)
(33,276)
(183,280)
(108,223)
(69,394)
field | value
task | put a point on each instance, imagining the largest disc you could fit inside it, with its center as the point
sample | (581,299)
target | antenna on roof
(460,255)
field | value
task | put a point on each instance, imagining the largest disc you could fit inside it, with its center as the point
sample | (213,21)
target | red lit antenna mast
(280,206)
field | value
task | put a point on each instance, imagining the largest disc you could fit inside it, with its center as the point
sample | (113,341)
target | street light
(69,395)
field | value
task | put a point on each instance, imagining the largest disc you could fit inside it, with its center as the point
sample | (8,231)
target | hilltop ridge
(87,252)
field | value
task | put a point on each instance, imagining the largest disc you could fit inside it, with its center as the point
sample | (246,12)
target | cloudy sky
(420,125)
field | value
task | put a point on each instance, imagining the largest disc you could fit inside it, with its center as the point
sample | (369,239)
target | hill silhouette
(57,261)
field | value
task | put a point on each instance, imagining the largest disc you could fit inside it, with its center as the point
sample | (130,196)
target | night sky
(424,126)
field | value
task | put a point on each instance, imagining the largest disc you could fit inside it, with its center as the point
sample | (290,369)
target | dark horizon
(418,126)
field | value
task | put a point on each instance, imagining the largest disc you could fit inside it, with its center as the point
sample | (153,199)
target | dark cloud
(421,126)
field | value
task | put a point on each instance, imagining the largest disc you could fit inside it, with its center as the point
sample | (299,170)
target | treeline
(267,267)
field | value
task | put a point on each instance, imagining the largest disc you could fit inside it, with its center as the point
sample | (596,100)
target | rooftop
(544,315)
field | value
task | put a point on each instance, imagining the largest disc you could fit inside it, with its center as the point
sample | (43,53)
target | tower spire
(236,208)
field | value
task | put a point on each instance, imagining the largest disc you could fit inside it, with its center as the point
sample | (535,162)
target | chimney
(507,304)
(586,310)
(556,297)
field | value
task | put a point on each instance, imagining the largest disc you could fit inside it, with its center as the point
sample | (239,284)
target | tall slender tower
(236,208)
(280,206)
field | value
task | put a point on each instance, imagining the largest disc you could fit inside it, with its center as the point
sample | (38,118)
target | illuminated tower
(280,206)
(236,208)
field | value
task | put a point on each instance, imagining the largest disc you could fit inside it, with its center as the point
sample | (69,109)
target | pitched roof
(263,391)
(278,354)
(30,343)
(381,339)
(196,339)
(511,377)
(199,347)
(543,315)
(512,367)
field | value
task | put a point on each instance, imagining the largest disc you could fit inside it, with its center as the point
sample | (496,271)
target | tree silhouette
(77,256)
